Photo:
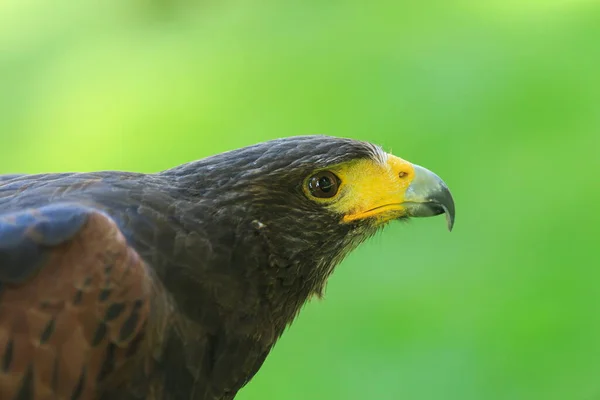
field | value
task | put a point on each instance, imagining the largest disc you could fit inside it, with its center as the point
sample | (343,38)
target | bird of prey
(176,285)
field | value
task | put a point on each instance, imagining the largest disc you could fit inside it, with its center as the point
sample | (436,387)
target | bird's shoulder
(75,302)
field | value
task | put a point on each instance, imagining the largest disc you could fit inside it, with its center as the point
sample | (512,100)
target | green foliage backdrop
(501,98)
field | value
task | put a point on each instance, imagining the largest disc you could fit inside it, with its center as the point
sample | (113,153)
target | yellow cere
(371,188)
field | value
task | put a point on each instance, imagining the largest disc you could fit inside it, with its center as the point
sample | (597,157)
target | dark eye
(323,184)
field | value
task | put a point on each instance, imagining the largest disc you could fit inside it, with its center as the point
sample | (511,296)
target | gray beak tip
(448,205)
(428,195)
(450,220)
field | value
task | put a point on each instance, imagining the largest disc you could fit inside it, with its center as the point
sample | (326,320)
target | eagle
(177,284)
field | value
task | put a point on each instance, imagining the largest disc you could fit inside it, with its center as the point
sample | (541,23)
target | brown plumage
(90,299)
(176,285)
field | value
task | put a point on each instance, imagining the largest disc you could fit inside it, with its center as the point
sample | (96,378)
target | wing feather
(74,302)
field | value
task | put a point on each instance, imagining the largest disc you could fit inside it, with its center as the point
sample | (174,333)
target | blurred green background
(501,98)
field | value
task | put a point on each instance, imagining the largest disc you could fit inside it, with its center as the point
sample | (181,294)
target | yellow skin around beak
(388,189)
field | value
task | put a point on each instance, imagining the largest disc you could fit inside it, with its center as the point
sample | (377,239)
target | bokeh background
(499,97)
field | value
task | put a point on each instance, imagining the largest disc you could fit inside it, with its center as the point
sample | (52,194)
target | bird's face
(349,201)
(378,190)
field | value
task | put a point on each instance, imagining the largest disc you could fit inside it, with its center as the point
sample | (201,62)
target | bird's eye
(323,184)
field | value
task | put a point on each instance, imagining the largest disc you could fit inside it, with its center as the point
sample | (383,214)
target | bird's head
(315,198)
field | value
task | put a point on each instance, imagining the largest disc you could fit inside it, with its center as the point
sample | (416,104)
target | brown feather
(93,292)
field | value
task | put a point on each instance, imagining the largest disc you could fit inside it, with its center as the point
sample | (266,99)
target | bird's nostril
(402,174)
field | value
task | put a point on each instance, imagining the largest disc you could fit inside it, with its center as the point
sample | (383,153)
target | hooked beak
(428,195)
